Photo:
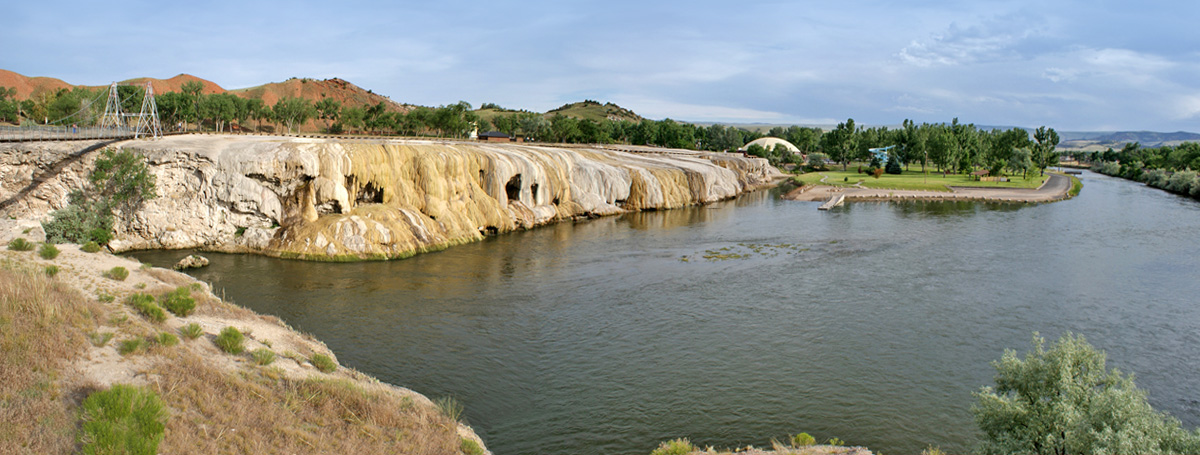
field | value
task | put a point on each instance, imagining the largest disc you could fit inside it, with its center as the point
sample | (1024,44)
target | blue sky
(1072,65)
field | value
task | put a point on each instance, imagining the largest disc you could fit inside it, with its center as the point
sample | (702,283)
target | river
(873,322)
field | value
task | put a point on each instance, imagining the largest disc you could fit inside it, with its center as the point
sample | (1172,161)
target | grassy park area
(914,179)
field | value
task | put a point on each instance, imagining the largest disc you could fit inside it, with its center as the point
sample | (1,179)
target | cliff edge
(346,199)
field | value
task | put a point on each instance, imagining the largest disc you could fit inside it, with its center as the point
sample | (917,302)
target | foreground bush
(323,363)
(48,251)
(145,305)
(90,247)
(123,420)
(1065,401)
(675,447)
(117,273)
(230,340)
(119,183)
(179,301)
(20,244)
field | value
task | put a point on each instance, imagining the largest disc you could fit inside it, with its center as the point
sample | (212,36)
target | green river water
(873,322)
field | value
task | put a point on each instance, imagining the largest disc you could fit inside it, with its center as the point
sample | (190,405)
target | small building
(495,136)
(769,143)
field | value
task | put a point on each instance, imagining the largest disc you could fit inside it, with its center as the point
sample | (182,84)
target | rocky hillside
(327,199)
(593,110)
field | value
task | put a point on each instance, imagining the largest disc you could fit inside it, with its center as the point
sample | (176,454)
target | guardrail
(61,133)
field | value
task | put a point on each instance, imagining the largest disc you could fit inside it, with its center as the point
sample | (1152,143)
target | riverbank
(283,391)
(1056,188)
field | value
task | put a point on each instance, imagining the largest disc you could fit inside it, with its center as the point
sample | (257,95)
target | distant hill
(312,89)
(1117,140)
(30,86)
(593,110)
(346,93)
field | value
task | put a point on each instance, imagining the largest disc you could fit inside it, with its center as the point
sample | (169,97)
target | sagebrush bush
(90,247)
(144,304)
(166,339)
(263,356)
(20,244)
(803,440)
(130,346)
(230,340)
(323,363)
(675,447)
(117,273)
(124,419)
(191,331)
(179,301)
(48,251)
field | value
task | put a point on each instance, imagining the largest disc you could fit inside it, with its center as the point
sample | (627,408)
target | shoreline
(1056,188)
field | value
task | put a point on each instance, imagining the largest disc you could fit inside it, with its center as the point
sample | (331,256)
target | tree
(329,110)
(293,111)
(1065,401)
(8,104)
(1047,140)
(816,161)
(120,182)
(191,91)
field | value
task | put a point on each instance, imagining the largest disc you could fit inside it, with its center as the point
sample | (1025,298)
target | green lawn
(913,179)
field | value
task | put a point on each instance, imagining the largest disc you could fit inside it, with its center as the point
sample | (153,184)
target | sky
(1092,65)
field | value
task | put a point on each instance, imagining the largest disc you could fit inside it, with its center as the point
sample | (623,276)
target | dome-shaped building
(769,143)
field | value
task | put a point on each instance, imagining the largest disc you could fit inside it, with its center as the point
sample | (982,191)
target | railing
(61,133)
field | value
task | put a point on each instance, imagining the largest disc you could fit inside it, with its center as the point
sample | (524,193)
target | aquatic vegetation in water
(746,251)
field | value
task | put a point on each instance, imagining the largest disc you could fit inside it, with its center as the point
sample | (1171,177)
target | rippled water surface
(873,322)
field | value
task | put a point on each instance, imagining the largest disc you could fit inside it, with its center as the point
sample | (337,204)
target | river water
(873,322)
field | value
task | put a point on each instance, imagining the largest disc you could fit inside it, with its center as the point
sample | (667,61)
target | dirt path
(1055,188)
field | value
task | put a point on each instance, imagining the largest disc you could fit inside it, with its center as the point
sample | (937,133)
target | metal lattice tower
(145,122)
(148,124)
(112,117)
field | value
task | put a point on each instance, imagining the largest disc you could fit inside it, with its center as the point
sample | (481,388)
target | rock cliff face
(331,199)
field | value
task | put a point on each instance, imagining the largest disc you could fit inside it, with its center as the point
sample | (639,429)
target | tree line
(950,147)
(1171,168)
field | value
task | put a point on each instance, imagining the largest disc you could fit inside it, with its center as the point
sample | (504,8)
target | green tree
(293,111)
(192,93)
(1065,401)
(118,184)
(1045,154)
(9,105)
(329,109)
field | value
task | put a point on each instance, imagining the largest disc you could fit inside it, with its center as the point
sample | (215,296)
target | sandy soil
(1054,189)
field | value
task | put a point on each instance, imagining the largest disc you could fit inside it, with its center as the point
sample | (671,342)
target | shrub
(99,339)
(90,247)
(803,440)
(263,356)
(145,305)
(117,273)
(836,442)
(1054,401)
(1109,168)
(470,447)
(449,407)
(876,172)
(179,301)
(893,166)
(1182,182)
(48,251)
(230,340)
(675,447)
(105,298)
(124,419)
(323,363)
(191,331)
(83,221)
(1156,178)
(130,346)
(119,182)
(20,244)
(166,339)
(51,270)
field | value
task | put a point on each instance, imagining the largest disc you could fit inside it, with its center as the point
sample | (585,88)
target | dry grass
(258,411)
(43,323)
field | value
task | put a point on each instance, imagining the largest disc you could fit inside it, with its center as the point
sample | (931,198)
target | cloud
(991,39)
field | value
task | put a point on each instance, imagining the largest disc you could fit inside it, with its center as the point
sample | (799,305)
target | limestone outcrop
(335,199)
